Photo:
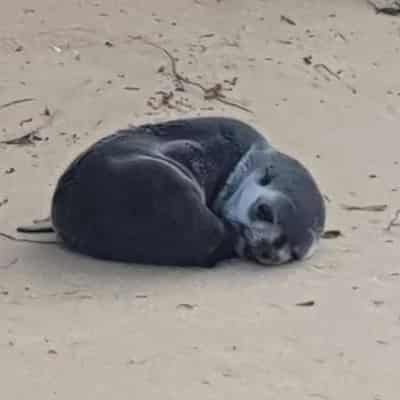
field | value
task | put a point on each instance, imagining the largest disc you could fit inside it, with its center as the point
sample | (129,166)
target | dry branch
(212,93)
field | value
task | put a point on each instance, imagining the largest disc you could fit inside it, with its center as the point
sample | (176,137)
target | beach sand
(322,82)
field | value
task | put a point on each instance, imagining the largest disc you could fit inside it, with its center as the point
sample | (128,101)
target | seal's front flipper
(38,226)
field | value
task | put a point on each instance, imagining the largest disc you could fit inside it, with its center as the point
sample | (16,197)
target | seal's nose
(280,241)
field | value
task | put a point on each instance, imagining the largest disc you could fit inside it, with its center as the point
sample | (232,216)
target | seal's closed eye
(266,178)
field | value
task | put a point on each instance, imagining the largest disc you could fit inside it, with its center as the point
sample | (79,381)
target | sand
(323,85)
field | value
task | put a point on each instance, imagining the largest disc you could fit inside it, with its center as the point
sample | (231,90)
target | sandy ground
(76,328)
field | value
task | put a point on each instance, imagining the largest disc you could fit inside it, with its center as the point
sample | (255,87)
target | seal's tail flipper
(38,226)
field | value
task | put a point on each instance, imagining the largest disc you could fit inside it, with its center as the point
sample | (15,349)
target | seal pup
(187,192)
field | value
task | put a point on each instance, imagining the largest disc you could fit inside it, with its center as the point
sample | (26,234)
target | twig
(38,221)
(14,102)
(179,78)
(10,264)
(372,208)
(26,139)
(25,121)
(32,136)
(341,36)
(288,20)
(393,9)
(318,68)
(3,202)
(395,221)
(213,93)
(232,104)
(308,303)
(331,234)
(327,69)
(14,239)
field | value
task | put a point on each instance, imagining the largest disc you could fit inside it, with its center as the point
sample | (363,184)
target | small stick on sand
(370,208)
(395,221)
(213,93)
(26,139)
(33,136)
(14,239)
(14,102)
(10,264)
(319,67)
(391,8)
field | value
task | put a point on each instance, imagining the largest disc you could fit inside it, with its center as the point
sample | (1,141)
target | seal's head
(276,205)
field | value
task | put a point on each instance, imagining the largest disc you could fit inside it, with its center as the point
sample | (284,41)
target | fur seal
(187,192)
